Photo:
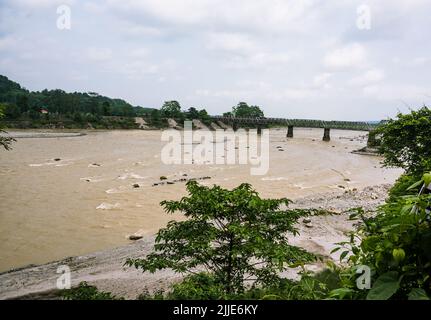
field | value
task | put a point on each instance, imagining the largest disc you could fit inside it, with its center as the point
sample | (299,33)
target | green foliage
(201,286)
(204,117)
(401,187)
(204,286)
(243,110)
(406,142)
(5,141)
(84,291)
(385,287)
(171,109)
(396,245)
(234,235)
(26,105)
(192,113)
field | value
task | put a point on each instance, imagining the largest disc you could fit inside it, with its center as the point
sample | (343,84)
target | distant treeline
(56,108)
(22,104)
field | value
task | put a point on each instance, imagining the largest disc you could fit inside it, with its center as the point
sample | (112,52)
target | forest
(59,109)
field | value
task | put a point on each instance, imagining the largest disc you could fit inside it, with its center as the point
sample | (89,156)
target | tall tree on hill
(243,110)
(171,109)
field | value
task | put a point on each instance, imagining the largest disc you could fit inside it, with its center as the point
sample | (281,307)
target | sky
(314,59)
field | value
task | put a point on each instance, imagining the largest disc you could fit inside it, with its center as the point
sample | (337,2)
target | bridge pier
(326,134)
(289,132)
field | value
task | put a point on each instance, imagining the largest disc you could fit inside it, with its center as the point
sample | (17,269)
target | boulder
(135,237)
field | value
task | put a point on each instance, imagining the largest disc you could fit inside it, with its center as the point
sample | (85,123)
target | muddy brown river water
(86,200)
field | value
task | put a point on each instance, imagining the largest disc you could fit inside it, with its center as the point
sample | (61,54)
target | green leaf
(418,294)
(427,178)
(385,287)
(398,254)
(415,185)
(343,255)
(335,250)
(340,293)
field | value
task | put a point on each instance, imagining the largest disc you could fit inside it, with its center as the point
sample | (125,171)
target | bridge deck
(307,123)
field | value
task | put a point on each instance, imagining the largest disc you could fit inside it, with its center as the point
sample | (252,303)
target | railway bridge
(260,123)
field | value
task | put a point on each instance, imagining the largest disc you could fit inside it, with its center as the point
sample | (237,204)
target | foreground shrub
(84,291)
(233,235)
(396,245)
(402,185)
(203,286)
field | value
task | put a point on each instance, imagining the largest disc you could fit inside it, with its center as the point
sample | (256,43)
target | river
(73,195)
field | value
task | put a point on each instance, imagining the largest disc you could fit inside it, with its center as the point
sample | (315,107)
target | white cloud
(99,54)
(40,3)
(420,61)
(271,16)
(139,53)
(7,43)
(231,42)
(137,30)
(368,78)
(349,56)
(321,80)
(240,51)
(414,94)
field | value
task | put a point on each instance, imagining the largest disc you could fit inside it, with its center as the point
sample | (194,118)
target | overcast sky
(296,59)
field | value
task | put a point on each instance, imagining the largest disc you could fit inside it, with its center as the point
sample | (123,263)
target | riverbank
(105,269)
(42,134)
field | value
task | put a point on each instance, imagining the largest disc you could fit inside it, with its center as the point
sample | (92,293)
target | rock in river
(135,237)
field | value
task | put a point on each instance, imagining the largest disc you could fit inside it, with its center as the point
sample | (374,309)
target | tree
(234,235)
(11,111)
(193,113)
(5,142)
(155,118)
(204,116)
(22,102)
(406,141)
(171,109)
(243,110)
(106,108)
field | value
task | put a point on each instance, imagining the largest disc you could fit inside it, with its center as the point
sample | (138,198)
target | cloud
(298,58)
(7,43)
(270,16)
(40,3)
(346,57)
(321,80)
(99,54)
(231,42)
(414,94)
(420,61)
(368,78)
(240,51)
